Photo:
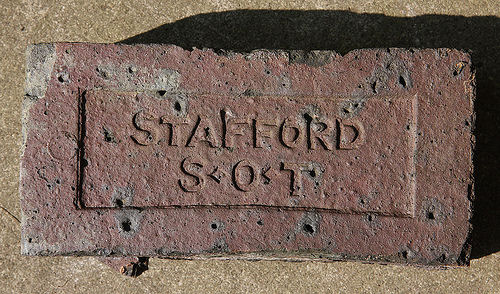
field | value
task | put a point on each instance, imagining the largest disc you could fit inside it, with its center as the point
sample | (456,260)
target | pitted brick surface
(157,151)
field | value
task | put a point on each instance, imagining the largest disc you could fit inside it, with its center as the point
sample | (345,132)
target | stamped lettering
(226,151)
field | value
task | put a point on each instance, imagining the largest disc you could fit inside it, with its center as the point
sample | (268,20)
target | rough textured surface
(159,151)
(454,24)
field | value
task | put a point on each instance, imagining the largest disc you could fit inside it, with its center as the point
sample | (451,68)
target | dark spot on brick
(126,225)
(177,106)
(109,136)
(402,81)
(308,229)
(259,222)
(119,202)
(220,246)
(102,73)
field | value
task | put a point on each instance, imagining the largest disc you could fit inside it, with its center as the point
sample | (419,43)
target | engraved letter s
(149,132)
(199,180)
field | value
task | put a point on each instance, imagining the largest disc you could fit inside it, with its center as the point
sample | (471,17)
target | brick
(152,150)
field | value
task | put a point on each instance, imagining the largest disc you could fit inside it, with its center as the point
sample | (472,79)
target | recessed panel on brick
(153,150)
(149,149)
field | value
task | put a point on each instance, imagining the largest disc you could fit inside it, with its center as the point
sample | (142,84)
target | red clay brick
(152,150)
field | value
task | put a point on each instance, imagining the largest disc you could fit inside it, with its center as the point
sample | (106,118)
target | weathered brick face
(158,151)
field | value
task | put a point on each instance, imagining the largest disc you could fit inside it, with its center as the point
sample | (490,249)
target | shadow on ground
(342,31)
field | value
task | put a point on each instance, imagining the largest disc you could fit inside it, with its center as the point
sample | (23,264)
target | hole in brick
(119,202)
(259,222)
(312,173)
(370,218)
(45,112)
(126,225)
(308,229)
(30,240)
(430,215)
(177,106)
(404,254)
(162,92)
(402,81)
(58,181)
(60,79)
(268,72)
(213,226)
(103,74)
(73,188)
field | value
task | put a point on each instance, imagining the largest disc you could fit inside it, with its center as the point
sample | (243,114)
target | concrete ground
(335,25)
